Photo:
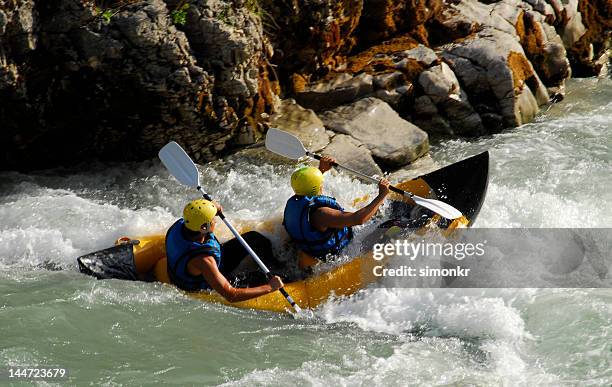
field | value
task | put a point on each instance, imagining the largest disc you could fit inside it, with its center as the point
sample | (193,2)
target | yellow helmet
(197,213)
(307,181)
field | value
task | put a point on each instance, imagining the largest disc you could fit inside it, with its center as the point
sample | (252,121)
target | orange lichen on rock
(349,16)
(522,72)
(263,102)
(383,19)
(532,40)
(597,18)
(530,34)
(333,39)
(420,34)
(299,82)
(358,62)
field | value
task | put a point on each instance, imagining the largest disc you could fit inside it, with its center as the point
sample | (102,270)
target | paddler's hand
(383,187)
(219,208)
(326,163)
(276,283)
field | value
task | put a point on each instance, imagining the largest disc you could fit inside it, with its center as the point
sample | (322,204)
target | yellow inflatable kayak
(463,185)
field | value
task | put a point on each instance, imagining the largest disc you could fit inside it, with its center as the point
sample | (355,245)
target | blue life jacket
(180,250)
(308,239)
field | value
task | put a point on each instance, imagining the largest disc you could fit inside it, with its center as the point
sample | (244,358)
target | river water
(555,172)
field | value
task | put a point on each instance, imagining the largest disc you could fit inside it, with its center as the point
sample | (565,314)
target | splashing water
(554,172)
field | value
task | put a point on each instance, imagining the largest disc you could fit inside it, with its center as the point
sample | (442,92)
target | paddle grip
(204,194)
(285,294)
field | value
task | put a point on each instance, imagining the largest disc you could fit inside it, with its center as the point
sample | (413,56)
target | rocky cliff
(116,79)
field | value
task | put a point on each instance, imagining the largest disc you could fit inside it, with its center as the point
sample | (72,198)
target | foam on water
(56,225)
(428,361)
(554,172)
(447,312)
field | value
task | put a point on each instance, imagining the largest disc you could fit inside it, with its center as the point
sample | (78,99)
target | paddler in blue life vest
(316,223)
(197,261)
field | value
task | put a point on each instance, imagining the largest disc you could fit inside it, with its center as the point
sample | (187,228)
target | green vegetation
(107,15)
(254,7)
(179,15)
(106,9)
(224,16)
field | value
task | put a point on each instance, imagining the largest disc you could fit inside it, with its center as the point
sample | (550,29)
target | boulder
(391,139)
(342,89)
(573,29)
(390,87)
(544,8)
(586,27)
(258,154)
(385,71)
(350,152)
(304,123)
(509,10)
(605,64)
(460,19)
(427,116)
(440,84)
(422,54)
(497,76)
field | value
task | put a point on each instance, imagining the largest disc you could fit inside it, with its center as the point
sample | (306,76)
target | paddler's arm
(325,217)
(207,267)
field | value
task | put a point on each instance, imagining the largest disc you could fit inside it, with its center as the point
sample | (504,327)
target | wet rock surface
(301,122)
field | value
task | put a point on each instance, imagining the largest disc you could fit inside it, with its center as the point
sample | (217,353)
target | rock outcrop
(117,79)
(78,81)
(493,63)
(498,75)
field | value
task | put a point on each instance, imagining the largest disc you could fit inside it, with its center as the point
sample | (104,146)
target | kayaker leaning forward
(197,261)
(317,223)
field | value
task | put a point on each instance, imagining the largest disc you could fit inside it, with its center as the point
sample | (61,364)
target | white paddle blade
(178,162)
(284,144)
(446,210)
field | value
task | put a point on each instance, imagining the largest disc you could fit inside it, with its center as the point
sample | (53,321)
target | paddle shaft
(250,251)
(392,188)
